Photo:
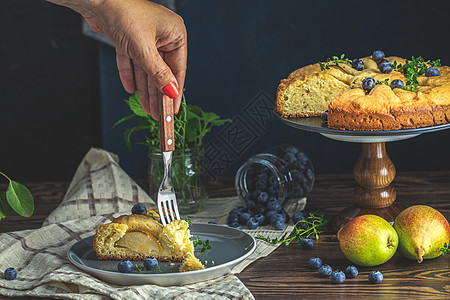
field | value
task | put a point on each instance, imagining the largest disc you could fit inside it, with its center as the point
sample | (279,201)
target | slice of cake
(136,237)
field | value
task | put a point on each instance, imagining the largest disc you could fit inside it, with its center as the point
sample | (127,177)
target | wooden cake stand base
(374,192)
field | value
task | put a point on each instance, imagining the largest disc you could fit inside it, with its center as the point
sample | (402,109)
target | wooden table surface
(285,274)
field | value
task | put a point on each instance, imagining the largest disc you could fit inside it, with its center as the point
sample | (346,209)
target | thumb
(160,75)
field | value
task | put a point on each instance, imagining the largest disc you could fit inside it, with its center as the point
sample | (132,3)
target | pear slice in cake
(136,237)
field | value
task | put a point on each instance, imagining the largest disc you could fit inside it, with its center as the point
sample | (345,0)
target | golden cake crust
(383,108)
(136,237)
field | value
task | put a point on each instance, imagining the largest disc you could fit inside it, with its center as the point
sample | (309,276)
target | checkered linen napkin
(100,191)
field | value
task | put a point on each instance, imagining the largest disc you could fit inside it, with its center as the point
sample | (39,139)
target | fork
(167,201)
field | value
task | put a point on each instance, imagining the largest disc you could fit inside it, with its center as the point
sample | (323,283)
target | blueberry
(261,184)
(260,218)
(337,277)
(385,67)
(237,211)
(272,190)
(291,149)
(150,263)
(357,64)
(125,266)
(272,205)
(260,209)
(368,83)
(277,217)
(307,243)
(315,262)
(244,217)
(432,71)
(324,117)
(289,157)
(10,274)
(378,55)
(325,270)
(232,218)
(269,214)
(278,224)
(138,209)
(375,277)
(351,272)
(297,191)
(296,175)
(273,181)
(309,174)
(262,176)
(251,205)
(263,197)
(236,225)
(300,215)
(397,84)
(252,223)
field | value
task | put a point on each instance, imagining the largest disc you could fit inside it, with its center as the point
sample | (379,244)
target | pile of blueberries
(338,276)
(262,202)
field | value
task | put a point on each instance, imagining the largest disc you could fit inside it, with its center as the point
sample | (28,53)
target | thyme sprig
(334,59)
(144,270)
(205,245)
(386,81)
(445,249)
(414,68)
(313,225)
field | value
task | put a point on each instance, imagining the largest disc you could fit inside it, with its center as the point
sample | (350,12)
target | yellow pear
(422,232)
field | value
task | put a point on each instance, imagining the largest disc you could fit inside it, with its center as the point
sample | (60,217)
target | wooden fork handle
(166,130)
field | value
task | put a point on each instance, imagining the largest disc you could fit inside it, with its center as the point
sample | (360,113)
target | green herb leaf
(205,245)
(445,249)
(5,209)
(334,59)
(20,199)
(314,224)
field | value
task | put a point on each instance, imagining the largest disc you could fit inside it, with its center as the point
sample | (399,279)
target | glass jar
(187,178)
(284,173)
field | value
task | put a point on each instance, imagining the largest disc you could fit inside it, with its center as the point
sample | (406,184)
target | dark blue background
(52,77)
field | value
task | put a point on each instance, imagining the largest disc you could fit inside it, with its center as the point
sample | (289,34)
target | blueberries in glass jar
(260,208)
(263,197)
(272,190)
(385,67)
(251,205)
(368,83)
(273,181)
(252,223)
(397,84)
(236,225)
(244,217)
(232,218)
(358,64)
(270,214)
(261,219)
(274,206)
(432,71)
(289,157)
(378,55)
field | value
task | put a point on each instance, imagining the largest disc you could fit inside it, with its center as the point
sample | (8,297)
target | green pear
(368,240)
(422,232)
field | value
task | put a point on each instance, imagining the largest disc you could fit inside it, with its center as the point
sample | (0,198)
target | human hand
(151,45)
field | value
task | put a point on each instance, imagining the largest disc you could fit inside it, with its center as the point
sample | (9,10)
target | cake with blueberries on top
(141,235)
(371,93)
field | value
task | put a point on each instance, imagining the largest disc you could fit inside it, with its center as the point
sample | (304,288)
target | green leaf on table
(5,209)
(20,199)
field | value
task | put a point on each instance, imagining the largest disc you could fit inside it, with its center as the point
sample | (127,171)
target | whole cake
(371,93)
(138,236)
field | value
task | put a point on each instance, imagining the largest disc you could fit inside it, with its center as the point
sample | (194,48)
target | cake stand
(373,171)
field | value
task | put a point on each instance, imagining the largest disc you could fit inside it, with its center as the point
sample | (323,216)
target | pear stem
(419,252)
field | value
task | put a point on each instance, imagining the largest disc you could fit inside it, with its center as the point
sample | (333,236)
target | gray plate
(229,247)
(314,124)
